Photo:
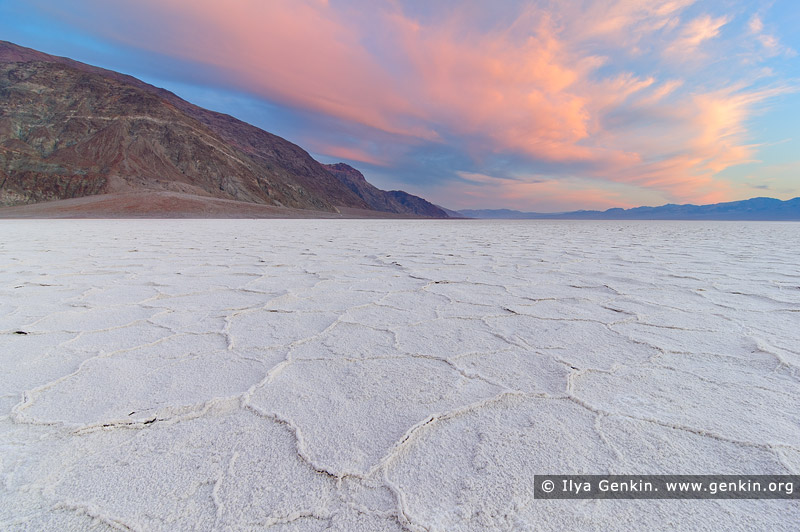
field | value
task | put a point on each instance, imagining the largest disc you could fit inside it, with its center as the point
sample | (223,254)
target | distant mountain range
(71,130)
(751,209)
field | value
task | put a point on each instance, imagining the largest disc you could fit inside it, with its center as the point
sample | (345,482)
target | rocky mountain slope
(395,201)
(70,130)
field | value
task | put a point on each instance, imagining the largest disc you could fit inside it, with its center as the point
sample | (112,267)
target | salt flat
(391,375)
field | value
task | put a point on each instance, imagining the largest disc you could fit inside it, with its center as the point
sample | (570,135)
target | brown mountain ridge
(69,130)
(395,201)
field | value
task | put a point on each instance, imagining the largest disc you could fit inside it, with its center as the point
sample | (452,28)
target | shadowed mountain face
(395,201)
(70,130)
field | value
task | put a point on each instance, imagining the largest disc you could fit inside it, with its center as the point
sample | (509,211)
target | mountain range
(70,130)
(751,209)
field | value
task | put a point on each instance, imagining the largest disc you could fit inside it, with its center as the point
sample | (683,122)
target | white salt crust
(363,375)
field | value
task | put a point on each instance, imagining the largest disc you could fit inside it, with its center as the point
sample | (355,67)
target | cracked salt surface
(301,375)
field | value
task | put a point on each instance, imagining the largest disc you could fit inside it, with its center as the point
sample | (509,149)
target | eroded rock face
(70,130)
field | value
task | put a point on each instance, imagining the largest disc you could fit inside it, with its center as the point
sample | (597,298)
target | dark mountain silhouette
(751,209)
(70,130)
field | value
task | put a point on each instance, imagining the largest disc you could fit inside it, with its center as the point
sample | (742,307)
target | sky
(537,105)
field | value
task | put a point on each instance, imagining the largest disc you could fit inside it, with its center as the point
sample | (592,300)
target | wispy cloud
(693,34)
(770,44)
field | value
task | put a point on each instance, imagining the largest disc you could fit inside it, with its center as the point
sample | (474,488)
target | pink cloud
(693,34)
(624,22)
(349,153)
(512,90)
(300,53)
(660,92)
(770,44)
